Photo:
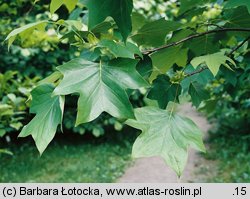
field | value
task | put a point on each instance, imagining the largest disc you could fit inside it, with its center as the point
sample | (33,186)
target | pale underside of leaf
(166,135)
(213,61)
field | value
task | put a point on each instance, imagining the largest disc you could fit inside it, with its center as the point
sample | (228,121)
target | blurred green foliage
(14,91)
(229,103)
(231,152)
(229,111)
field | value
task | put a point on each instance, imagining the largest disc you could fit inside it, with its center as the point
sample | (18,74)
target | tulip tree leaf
(145,66)
(202,78)
(154,33)
(164,59)
(164,91)
(56,4)
(25,31)
(236,3)
(121,50)
(101,87)
(237,18)
(138,20)
(119,10)
(165,135)
(213,61)
(49,112)
(203,45)
(197,93)
(189,4)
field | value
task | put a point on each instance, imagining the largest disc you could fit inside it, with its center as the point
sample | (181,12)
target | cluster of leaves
(121,51)
(35,57)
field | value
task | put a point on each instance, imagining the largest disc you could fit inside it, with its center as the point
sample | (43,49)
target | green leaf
(154,33)
(103,27)
(180,34)
(49,112)
(4,107)
(16,125)
(138,20)
(164,91)
(51,79)
(119,49)
(145,66)
(166,135)
(237,18)
(203,45)
(236,3)
(197,93)
(25,31)
(202,78)
(213,61)
(119,10)
(2,132)
(189,4)
(209,106)
(164,59)
(6,110)
(101,87)
(56,4)
(230,76)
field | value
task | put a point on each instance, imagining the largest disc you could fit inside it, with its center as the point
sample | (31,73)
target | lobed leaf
(213,61)
(166,135)
(101,87)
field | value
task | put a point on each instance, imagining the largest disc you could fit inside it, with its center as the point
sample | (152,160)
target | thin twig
(196,72)
(30,9)
(237,47)
(147,52)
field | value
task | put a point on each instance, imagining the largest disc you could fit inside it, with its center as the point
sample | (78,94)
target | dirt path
(155,170)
